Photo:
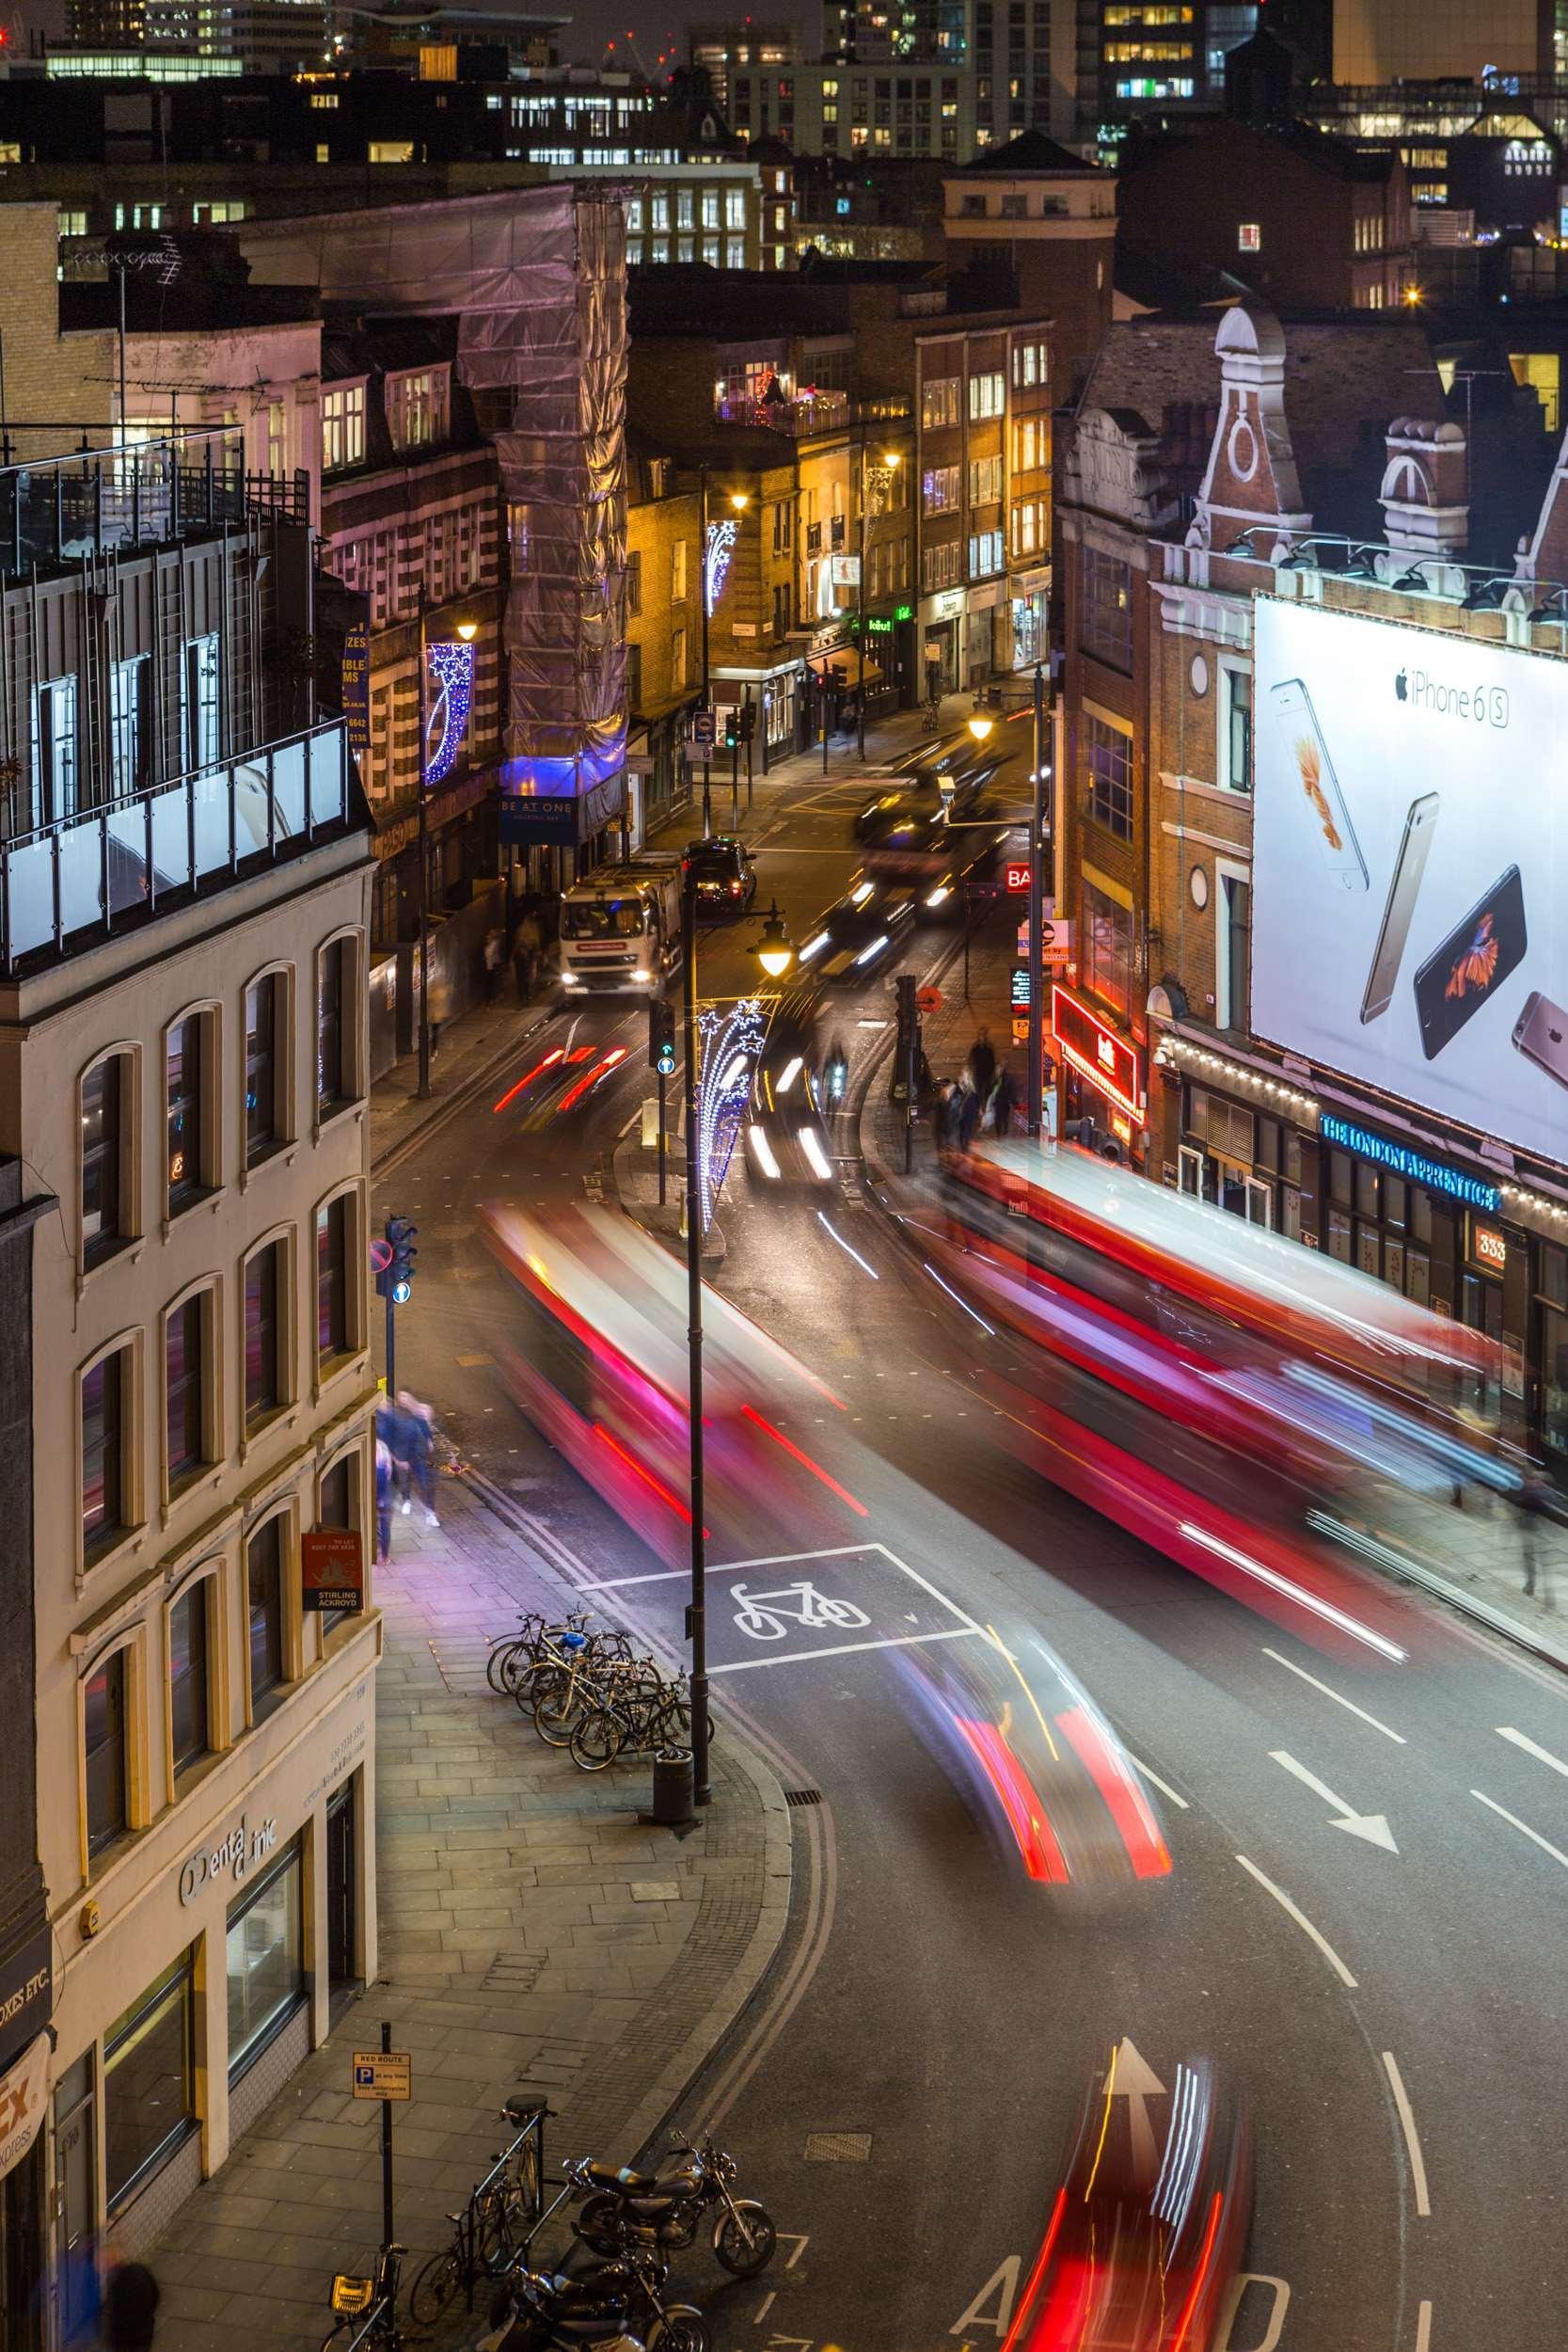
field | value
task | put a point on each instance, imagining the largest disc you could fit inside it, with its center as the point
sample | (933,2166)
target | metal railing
(144,494)
(101,868)
(802,413)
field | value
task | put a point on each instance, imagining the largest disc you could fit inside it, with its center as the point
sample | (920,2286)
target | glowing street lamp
(981,727)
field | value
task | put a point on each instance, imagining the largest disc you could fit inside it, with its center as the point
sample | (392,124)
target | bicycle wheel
(436,2285)
(596,1738)
(495,2240)
(560,1708)
(502,1663)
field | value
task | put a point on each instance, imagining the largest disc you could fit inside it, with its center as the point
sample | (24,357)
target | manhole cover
(838,2147)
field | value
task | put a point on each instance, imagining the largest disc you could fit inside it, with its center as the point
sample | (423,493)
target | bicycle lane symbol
(765,1617)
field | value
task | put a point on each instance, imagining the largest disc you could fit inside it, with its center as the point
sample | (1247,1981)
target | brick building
(663,628)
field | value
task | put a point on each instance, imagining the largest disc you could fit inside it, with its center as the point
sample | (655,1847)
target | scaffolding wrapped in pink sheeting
(536,278)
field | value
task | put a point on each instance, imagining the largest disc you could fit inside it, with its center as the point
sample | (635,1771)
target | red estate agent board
(332,1569)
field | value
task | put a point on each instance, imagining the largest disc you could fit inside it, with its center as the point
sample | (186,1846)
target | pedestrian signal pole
(392,1259)
(661,1054)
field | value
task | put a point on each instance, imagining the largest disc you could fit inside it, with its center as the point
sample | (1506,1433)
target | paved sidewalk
(533,1935)
(1473,1557)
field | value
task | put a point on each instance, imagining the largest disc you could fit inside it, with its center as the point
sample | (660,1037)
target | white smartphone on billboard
(1309,756)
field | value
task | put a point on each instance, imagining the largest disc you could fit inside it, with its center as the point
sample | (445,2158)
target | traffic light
(747,721)
(661,1036)
(396,1280)
(732,727)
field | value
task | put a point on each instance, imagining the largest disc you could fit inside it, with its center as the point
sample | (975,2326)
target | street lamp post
(740,500)
(775,955)
(467,631)
(1036,919)
(871,477)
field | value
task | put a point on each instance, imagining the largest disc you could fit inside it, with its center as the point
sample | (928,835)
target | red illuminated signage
(1098,1054)
(1018,874)
(332,1569)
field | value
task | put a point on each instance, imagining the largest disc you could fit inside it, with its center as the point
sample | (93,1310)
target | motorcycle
(618,2307)
(627,2212)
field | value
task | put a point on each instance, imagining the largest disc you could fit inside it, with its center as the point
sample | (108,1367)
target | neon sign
(1098,1054)
(452,662)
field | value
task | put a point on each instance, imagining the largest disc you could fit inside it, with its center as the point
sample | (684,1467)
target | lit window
(417,407)
(1249,237)
(342,427)
(390,152)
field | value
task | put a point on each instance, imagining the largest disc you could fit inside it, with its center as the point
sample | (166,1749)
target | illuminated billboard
(1410,854)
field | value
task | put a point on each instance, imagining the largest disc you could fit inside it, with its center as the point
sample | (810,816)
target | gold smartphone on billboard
(1404,889)
(1541,1034)
(1302,737)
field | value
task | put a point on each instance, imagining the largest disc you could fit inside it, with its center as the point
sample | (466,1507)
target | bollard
(673,1784)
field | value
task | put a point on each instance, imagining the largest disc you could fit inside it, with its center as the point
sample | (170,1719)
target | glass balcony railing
(144,494)
(102,869)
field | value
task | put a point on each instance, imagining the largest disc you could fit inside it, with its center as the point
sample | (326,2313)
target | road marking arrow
(1374,1827)
(1133,2079)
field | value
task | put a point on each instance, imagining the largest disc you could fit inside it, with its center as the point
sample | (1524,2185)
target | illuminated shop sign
(1098,1054)
(1436,1175)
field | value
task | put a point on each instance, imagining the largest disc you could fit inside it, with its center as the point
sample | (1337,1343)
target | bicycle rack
(525,2109)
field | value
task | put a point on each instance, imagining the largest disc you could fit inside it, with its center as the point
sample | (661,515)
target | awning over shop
(844,663)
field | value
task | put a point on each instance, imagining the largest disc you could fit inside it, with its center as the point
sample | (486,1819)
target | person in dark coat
(982,1066)
(129,2311)
(383,1503)
(1003,1102)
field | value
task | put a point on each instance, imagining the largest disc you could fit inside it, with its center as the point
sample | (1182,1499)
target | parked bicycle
(641,1716)
(366,2309)
(561,1695)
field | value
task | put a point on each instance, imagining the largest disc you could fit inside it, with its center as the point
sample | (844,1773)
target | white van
(621,930)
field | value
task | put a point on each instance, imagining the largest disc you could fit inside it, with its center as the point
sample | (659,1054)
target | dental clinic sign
(231,1857)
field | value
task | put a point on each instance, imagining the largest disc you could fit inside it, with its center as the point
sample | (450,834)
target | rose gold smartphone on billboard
(1541,1034)
(1404,890)
(1302,737)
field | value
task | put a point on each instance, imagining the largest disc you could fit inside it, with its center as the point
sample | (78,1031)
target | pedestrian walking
(383,1503)
(1003,1102)
(968,1113)
(130,2311)
(982,1066)
(1535,1501)
(495,955)
(527,948)
(419,1422)
(440,1007)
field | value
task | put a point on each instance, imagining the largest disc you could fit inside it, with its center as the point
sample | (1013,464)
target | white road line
(846,1649)
(792,1559)
(1302,1921)
(1349,1705)
(1298,1593)
(615,1584)
(1163,1786)
(1523,1827)
(1505,1731)
(1413,2145)
(1423,2328)
(848,1250)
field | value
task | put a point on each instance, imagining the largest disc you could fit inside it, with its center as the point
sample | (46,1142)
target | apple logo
(1400,686)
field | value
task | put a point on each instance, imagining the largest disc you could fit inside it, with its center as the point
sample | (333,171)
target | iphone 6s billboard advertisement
(1410,861)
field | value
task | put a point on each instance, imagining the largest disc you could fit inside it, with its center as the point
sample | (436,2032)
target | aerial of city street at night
(783,1177)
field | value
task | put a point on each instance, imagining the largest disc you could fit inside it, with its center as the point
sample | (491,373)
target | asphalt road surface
(1363,1919)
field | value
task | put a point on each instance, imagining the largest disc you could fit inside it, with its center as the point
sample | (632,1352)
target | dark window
(1107,618)
(1108,760)
(265,1560)
(1107,944)
(263,1288)
(332,1327)
(184,1369)
(104,1402)
(104,1730)
(184,1112)
(1238,917)
(1239,723)
(634,677)
(103,1107)
(148,2082)
(266,1960)
(634,584)
(331,1073)
(336,1508)
(261,1069)
(187,1675)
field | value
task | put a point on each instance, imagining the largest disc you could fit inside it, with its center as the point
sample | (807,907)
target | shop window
(265,1608)
(187,1675)
(266,1960)
(148,2082)
(103,1728)
(106,1120)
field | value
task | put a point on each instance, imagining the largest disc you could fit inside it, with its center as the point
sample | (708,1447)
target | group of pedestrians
(981,1100)
(405,1465)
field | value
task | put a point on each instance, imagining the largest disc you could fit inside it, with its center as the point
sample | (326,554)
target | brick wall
(60,381)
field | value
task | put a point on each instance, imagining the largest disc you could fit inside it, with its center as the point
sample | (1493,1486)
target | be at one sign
(383,2074)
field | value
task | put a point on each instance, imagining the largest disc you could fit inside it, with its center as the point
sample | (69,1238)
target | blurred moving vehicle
(558,1082)
(621,929)
(1244,1405)
(1149,2227)
(949,773)
(1036,1758)
(787,1141)
(600,1368)
(859,934)
(725,878)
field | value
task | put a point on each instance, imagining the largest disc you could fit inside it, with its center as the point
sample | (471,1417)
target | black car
(859,934)
(725,877)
